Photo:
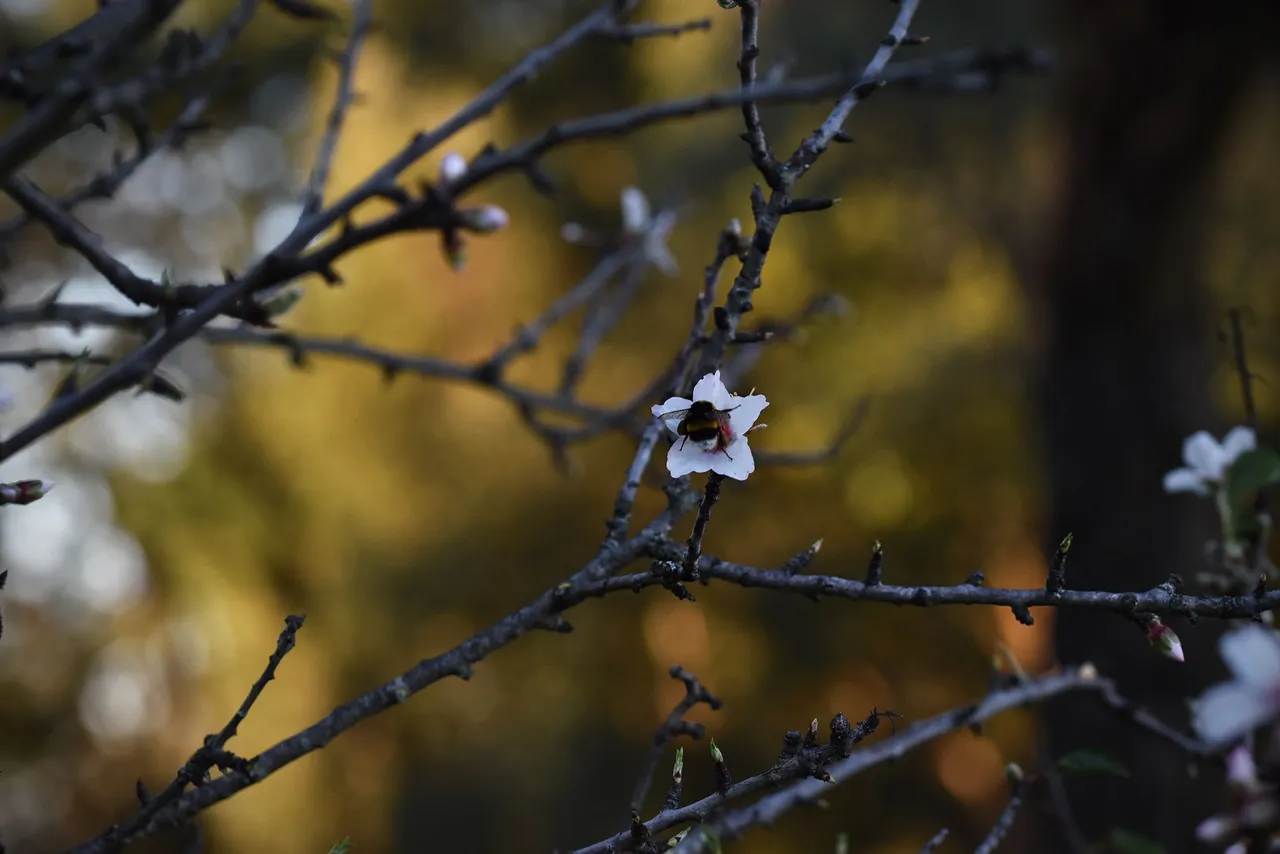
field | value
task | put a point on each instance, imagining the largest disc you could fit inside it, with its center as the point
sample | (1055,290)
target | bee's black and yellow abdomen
(701,431)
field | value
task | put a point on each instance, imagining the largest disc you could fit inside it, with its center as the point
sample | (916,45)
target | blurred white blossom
(652,231)
(1231,710)
(1207,460)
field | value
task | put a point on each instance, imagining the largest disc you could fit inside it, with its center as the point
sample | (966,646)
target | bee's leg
(725,451)
(683,439)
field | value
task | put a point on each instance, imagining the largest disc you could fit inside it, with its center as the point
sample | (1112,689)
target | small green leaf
(343,847)
(1092,761)
(1121,841)
(713,839)
(1252,471)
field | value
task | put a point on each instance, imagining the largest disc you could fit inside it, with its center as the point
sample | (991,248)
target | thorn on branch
(875,567)
(675,790)
(724,780)
(811,734)
(976,579)
(1023,613)
(753,337)
(640,834)
(1057,580)
(791,740)
(808,205)
(801,561)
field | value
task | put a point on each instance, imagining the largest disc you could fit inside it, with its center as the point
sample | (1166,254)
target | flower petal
(1253,656)
(672,404)
(1241,770)
(736,461)
(1217,829)
(635,210)
(686,458)
(1202,453)
(745,412)
(1185,480)
(711,388)
(1239,440)
(1229,711)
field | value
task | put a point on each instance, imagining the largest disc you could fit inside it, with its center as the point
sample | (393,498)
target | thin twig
(107,184)
(761,156)
(675,724)
(628,33)
(211,753)
(1007,817)
(694,544)
(543,612)
(361,22)
(528,336)
(768,809)
(936,842)
(118,28)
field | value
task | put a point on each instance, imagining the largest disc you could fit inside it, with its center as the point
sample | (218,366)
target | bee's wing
(675,413)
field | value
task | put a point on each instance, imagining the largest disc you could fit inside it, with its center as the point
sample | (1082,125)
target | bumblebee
(707,426)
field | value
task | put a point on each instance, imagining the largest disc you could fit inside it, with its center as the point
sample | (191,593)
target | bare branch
(628,33)
(768,809)
(106,185)
(1004,824)
(212,753)
(674,725)
(113,30)
(361,22)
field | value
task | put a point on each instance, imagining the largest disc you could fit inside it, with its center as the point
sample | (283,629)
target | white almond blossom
(734,459)
(1231,710)
(1253,807)
(639,223)
(1207,460)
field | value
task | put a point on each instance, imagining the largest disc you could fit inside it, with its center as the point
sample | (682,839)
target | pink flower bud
(1163,640)
(24,491)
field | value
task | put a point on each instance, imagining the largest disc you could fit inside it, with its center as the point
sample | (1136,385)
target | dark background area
(1037,278)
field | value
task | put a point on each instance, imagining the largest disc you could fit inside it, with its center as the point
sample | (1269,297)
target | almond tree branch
(769,808)
(1163,600)
(288,260)
(212,753)
(542,613)
(754,136)
(70,232)
(107,184)
(1008,816)
(274,268)
(674,725)
(768,215)
(361,23)
(116,29)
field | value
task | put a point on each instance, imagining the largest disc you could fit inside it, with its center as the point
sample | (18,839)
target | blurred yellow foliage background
(403,516)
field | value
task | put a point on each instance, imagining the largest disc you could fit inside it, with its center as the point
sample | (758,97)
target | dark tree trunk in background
(1147,91)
